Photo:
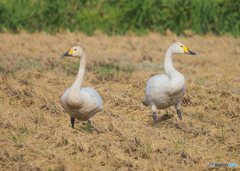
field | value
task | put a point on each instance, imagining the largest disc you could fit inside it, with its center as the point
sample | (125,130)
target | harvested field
(36,131)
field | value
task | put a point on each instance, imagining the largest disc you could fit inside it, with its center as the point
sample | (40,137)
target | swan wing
(94,95)
(156,82)
(156,90)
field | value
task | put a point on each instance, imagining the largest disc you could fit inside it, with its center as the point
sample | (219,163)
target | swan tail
(145,102)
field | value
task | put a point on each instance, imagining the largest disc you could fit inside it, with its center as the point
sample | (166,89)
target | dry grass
(36,132)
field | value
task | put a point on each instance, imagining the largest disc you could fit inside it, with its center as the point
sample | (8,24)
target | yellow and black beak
(187,51)
(68,53)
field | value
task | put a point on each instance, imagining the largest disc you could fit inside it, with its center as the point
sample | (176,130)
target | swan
(165,90)
(80,102)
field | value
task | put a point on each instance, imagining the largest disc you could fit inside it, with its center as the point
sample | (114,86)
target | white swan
(81,103)
(165,90)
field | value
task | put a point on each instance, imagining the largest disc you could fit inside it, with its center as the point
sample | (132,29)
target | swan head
(178,48)
(75,51)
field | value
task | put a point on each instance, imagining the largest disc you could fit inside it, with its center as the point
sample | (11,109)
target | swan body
(91,104)
(165,90)
(158,92)
(80,102)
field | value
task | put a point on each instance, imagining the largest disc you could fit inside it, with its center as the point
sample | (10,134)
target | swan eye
(75,49)
(181,46)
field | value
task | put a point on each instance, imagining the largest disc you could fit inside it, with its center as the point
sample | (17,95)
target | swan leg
(154,114)
(89,124)
(179,114)
(155,118)
(72,121)
(178,107)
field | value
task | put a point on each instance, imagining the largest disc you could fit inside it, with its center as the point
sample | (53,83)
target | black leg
(72,122)
(89,122)
(179,114)
(88,125)
(155,118)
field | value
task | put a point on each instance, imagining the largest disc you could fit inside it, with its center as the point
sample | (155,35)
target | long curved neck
(73,97)
(169,69)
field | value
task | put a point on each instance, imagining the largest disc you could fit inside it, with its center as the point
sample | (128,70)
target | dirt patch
(36,132)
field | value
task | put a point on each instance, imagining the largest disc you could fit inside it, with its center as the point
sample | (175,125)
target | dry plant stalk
(36,132)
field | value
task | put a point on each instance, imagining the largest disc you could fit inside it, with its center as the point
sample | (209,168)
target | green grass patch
(109,68)
(121,17)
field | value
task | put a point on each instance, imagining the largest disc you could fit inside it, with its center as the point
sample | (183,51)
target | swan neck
(81,71)
(169,69)
(73,97)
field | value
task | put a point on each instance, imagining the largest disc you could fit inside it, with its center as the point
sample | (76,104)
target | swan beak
(65,54)
(191,53)
(187,51)
(68,53)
